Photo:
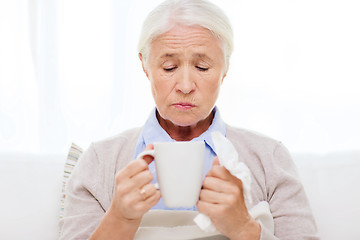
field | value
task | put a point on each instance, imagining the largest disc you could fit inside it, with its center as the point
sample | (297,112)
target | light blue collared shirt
(152,132)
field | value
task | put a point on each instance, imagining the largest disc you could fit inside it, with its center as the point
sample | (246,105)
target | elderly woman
(185,47)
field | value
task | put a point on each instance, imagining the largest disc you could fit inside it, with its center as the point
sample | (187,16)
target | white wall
(293,74)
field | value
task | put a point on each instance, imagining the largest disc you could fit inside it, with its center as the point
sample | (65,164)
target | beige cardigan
(274,179)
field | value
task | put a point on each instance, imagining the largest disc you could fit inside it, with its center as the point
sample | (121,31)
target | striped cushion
(73,156)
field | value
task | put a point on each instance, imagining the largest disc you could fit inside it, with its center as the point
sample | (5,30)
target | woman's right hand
(134,195)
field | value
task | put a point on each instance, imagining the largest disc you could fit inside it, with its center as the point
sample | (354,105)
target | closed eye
(203,69)
(169,69)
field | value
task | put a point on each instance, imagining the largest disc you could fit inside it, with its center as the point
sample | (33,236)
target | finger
(222,186)
(220,172)
(230,184)
(206,208)
(138,165)
(213,197)
(147,191)
(148,159)
(152,200)
(149,201)
(138,205)
(133,168)
(141,179)
(214,184)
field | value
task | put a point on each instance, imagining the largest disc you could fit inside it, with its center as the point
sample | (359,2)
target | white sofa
(31,188)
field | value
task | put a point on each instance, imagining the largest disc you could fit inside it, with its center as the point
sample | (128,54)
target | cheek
(212,92)
(153,78)
(156,92)
(160,88)
(213,87)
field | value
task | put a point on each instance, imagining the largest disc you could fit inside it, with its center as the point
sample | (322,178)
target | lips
(183,105)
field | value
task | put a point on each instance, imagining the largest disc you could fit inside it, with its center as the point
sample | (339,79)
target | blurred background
(69,72)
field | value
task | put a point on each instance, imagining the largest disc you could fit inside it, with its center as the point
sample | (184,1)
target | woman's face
(186,69)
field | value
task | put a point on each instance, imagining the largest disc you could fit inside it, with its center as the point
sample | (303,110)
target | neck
(185,133)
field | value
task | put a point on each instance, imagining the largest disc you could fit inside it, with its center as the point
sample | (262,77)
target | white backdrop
(69,72)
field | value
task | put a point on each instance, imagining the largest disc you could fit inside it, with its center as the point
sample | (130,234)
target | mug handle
(150,153)
(145,153)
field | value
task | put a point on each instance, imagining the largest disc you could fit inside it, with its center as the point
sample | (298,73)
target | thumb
(148,158)
(216,161)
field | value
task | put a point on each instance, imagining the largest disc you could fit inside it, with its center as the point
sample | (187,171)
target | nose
(186,81)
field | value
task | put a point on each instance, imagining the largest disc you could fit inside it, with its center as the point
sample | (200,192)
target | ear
(143,65)
(224,74)
(222,80)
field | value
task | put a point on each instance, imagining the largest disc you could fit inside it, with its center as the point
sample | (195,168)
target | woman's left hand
(222,199)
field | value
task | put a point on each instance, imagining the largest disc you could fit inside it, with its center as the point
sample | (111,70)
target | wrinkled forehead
(196,40)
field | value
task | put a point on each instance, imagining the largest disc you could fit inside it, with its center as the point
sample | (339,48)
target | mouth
(183,106)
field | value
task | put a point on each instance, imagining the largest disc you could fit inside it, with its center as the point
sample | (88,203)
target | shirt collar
(152,131)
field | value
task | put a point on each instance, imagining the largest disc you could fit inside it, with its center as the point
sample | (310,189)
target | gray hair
(189,13)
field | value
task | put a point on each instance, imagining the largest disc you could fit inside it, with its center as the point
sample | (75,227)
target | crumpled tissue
(228,157)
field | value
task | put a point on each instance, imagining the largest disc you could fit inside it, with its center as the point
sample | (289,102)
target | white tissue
(204,223)
(228,158)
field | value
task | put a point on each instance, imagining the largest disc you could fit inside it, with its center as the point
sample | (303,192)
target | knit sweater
(274,179)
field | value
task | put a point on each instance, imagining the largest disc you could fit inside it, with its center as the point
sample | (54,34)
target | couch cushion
(30,190)
(331,183)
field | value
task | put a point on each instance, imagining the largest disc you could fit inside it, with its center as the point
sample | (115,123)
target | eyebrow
(168,55)
(200,55)
(203,56)
(196,55)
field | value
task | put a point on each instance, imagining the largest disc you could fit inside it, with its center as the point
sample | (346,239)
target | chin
(182,119)
(183,122)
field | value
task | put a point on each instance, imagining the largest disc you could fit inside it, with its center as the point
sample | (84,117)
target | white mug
(179,168)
